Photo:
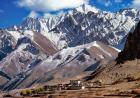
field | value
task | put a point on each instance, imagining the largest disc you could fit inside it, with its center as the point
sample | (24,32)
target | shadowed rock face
(132,46)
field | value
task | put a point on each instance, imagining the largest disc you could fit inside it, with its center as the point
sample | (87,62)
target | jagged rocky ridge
(83,25)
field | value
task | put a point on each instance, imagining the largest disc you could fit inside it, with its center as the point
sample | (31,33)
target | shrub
(26,92)
(40,89)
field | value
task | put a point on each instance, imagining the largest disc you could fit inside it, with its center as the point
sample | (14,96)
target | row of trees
(28,92)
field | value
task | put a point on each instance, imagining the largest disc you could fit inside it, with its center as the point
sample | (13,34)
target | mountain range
(63,47)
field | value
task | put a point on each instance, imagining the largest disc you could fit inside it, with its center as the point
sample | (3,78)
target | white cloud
(118,1)
(136,4)
(46,15)
(50,5)
(108,3)
(105,2)
(33,14)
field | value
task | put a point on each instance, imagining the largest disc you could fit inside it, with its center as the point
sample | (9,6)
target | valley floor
(120,90)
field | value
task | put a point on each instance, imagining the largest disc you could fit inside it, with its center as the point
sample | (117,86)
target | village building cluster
(72,85)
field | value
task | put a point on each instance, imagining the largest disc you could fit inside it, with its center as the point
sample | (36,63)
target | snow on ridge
(118,50)
(85,8)
(15,34)
(21,47)
(61,57)
(106,52)
(115,26)
(95,44)
(29,34)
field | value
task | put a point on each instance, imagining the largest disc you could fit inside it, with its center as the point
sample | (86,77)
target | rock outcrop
(132,46)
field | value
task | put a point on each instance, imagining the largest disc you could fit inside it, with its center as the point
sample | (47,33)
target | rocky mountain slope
(68,63)
(21,53)
(127,65)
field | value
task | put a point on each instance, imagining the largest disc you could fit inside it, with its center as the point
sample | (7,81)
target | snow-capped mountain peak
(131,12)
(83,25)
(85,8)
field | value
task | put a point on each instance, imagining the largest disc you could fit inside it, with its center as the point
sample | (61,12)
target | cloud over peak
(50,5)
(136,4)
(118,1)
(33,14)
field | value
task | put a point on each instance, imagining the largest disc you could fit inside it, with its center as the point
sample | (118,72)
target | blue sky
(15,11)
